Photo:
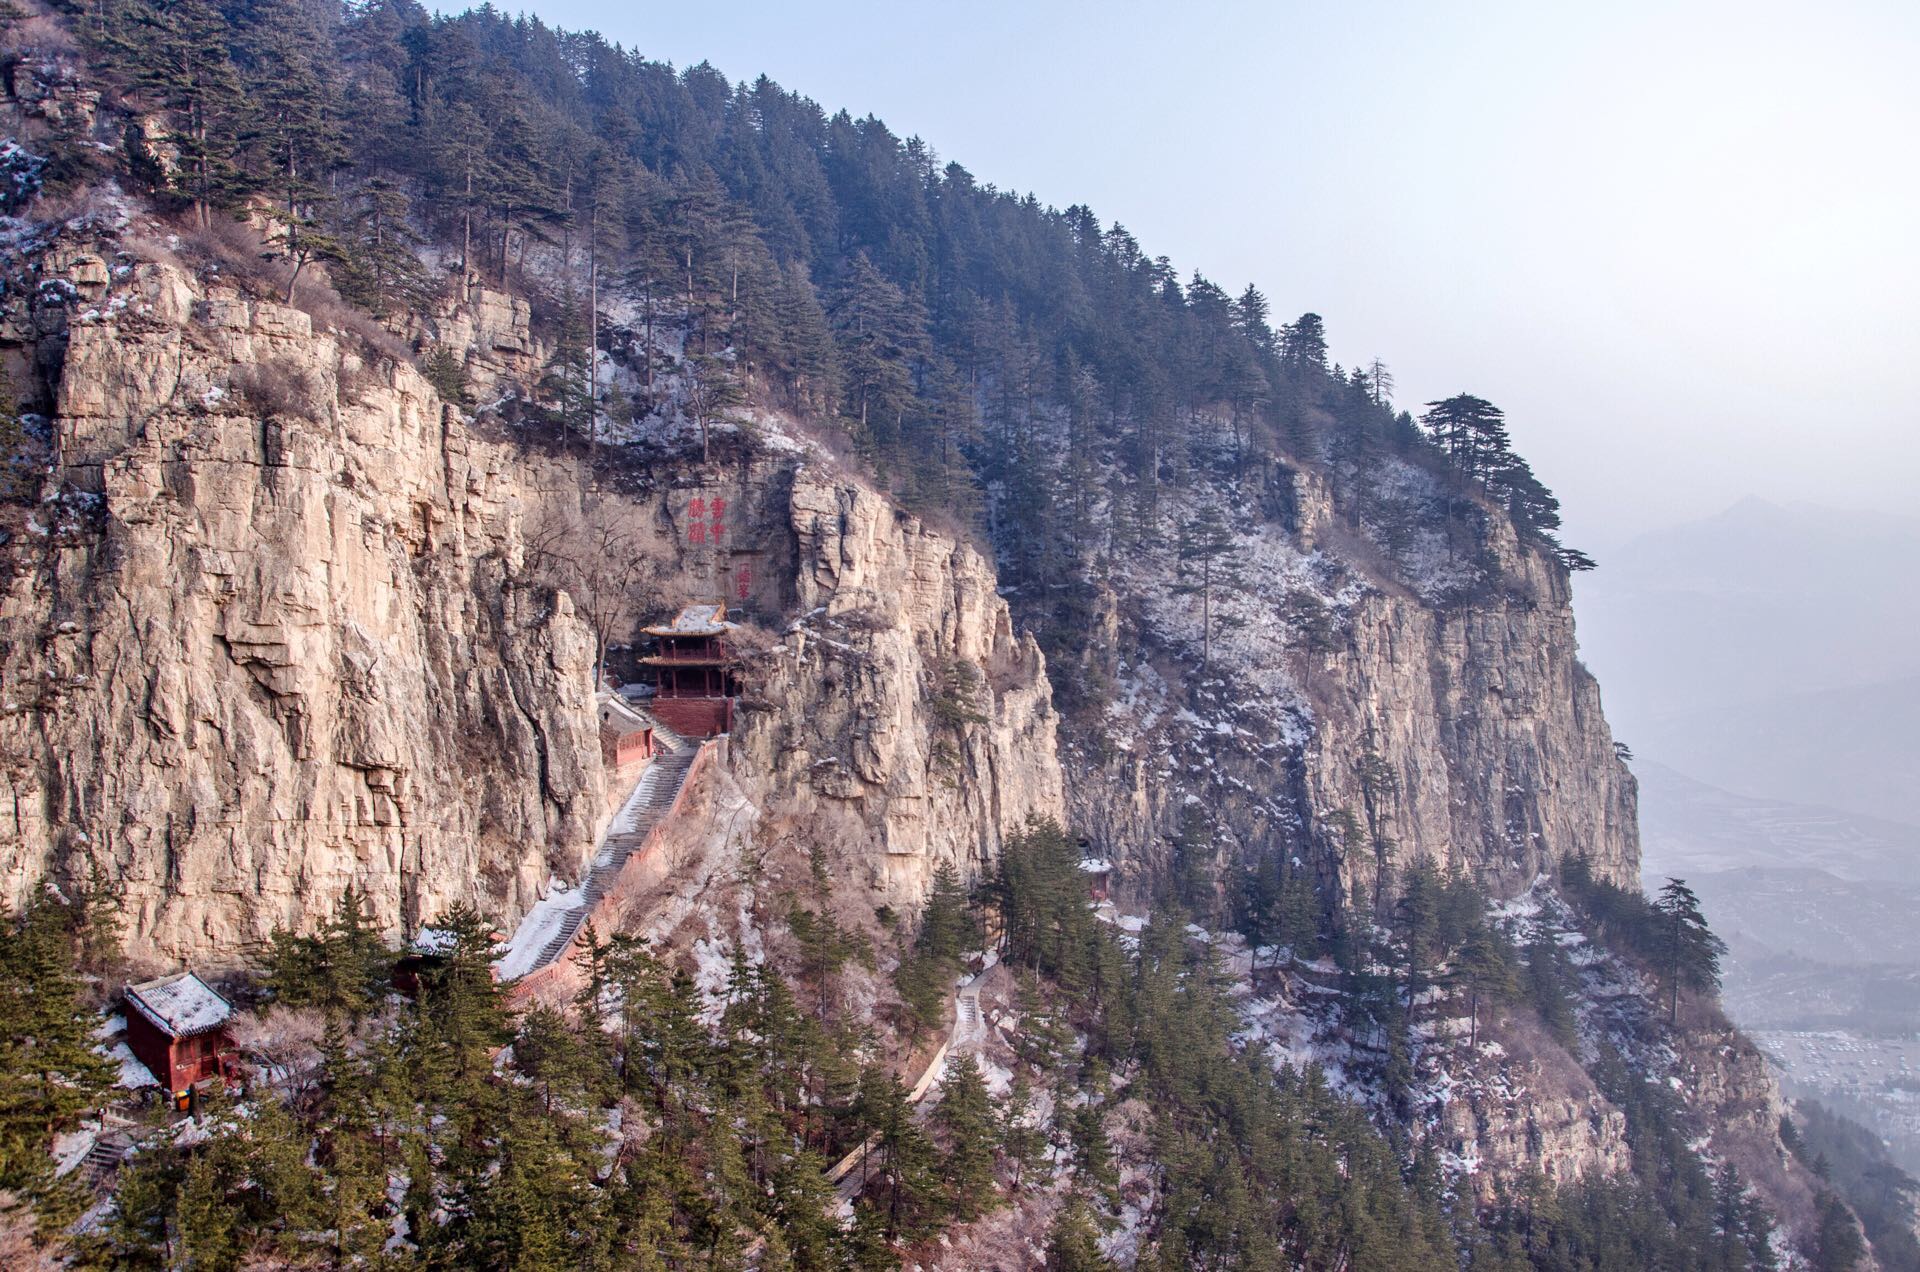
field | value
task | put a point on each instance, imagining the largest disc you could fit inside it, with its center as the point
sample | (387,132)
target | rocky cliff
(281,622)
(272,649)
(1358,708)
(275,632)
(901,699)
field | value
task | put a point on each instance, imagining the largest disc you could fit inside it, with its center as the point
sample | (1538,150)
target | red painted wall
(695,717)
(177,1062)
(153,1048)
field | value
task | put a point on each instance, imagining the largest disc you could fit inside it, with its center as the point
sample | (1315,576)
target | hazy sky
(1675,241)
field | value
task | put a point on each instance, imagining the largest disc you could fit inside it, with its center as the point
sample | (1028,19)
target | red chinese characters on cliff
(699,528)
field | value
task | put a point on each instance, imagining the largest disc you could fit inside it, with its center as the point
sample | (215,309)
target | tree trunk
(466,231)
(593,325)
(1206,613)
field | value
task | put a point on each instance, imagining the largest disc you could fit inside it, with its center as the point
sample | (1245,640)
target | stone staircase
(659,787)
(665,736)
(105,1154)
(967,1007)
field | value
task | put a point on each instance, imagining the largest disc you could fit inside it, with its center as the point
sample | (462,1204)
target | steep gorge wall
(278,637)
(277,651)
(903,699)
(1464,730)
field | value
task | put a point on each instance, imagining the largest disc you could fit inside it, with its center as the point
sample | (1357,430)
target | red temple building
(694,671)
(177,1027)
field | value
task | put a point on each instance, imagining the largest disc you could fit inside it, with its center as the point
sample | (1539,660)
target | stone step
(105,1155)
(663,777)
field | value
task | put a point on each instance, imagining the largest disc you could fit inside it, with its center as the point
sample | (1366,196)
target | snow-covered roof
(433,941)
(1096,865)
(706,619)
(180,1005)
(621,718)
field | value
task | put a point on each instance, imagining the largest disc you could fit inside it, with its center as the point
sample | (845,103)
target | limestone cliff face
(278,638)
(906,702)
(1351,715)
(279,655)
(1355,706)
(1470,731)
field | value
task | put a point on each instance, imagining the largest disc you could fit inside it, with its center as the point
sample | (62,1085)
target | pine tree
(96,911)
(286,66)
(947,929)
(1210,544)
(1092,1150)
(49,1074)
(461,173)
(1250,319)
(379,267)
(1303,344)
(1022,1141)
(1837,1243)
(1692,952)
(964,1115)
(1546,983)
(1260,893)
(352,1151)
(1072,1243)
(1485,968)
(1300,914)
(906,1158)
(880,337)
(1417,915)
(177,52)
(825,948)
(462,1008)
(537,1209)
(552,1052)
(711,390)
(1471,430)
(343,969)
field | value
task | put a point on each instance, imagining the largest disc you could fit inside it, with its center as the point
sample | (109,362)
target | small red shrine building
(693,670)
(1099,873)
(625,736)
(177,1027)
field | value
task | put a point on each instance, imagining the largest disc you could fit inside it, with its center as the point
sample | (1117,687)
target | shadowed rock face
(1462,728)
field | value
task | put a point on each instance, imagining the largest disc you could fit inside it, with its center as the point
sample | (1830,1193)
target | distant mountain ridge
(1690,828)
(1767,650)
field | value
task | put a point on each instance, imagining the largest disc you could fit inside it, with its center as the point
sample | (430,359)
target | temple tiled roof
(708,618)
(180,1005)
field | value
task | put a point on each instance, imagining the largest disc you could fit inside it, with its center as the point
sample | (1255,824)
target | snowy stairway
(665,735)
(966,1029)
(659,787)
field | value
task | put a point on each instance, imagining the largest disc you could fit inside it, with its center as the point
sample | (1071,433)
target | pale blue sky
(1674,240)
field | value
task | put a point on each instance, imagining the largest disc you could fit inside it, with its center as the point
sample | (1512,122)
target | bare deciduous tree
(604,555)
(287,1041)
